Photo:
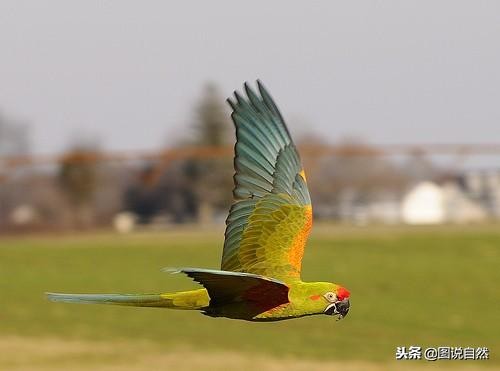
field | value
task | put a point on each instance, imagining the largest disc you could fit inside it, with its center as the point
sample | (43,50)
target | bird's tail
(194,299)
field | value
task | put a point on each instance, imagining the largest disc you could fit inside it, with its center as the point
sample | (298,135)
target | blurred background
(116,160)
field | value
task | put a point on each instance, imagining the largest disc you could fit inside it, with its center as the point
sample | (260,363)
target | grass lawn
(409,286)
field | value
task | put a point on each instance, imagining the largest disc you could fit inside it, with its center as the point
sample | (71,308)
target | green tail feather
(148,300)
(195,299)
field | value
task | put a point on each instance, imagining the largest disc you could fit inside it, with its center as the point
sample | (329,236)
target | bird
(267,228)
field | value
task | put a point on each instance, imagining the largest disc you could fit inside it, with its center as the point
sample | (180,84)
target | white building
(429,203)
(423,204)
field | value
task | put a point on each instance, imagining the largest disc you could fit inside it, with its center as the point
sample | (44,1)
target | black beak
(340,307)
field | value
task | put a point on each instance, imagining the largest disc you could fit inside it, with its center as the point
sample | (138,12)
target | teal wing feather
(269,180)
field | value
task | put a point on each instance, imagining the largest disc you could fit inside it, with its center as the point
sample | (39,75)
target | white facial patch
(331,297)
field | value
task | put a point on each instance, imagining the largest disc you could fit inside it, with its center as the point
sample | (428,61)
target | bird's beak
(340,307)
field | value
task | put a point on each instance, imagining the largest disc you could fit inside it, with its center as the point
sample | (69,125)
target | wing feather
(252,294)
(271,216)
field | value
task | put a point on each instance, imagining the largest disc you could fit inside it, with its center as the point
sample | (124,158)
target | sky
(129,72)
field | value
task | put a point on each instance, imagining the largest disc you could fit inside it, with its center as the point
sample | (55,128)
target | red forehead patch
(343,293)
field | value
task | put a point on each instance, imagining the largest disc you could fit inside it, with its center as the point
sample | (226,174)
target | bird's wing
(271,216)
(256,293)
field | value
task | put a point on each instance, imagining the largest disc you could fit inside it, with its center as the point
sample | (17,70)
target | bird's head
(332,299)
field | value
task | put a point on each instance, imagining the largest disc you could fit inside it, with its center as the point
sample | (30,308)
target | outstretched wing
(271,216)
(249,294)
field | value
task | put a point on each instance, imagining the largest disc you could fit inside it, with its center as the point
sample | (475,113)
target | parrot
(266,232)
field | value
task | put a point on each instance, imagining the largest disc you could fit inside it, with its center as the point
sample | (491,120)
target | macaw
(266,232)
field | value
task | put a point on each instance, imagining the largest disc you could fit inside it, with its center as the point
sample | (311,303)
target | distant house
(484,187)
(430,203)
(423,204)
(460,208)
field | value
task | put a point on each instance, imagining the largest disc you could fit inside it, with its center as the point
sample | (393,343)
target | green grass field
(409,286)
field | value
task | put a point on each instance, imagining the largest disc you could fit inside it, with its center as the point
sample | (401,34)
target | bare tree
(356,173)
(211,178)
(14,138)
(14,141)
(78,177)
(211,124)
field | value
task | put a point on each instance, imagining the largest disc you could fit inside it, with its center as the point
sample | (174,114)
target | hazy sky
(129,71)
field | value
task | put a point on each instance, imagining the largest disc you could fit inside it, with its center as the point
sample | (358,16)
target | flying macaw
(266,232)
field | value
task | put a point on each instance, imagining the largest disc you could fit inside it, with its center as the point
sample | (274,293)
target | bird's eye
(331,297)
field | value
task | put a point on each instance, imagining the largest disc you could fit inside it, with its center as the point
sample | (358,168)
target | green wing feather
(271,216)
